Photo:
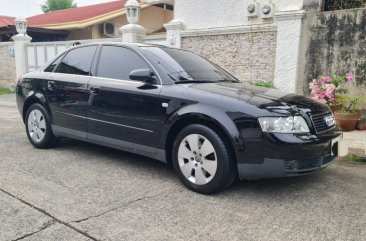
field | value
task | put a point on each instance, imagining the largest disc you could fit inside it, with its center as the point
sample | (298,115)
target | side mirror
(144,75)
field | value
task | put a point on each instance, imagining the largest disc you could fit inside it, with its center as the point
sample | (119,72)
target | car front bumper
(283,158)
(272,168)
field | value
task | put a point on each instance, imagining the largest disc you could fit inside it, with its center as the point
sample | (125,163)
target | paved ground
(80,191)
(7,100)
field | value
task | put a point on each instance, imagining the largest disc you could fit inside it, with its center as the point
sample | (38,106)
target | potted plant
(330,90)
(349,113)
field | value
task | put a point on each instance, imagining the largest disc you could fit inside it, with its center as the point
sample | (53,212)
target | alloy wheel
(197,159)
(36,125)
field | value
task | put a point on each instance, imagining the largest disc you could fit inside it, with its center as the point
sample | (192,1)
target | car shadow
(112,154)
(282,188)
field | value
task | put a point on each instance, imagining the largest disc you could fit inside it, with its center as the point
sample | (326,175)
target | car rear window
(52,66)
(77,61)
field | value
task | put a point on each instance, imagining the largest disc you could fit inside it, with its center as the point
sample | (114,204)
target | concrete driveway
(80,191)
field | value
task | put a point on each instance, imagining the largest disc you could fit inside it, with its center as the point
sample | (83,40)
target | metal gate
(37,54)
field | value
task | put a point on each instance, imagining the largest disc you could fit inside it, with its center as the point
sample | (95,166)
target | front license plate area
(334,145)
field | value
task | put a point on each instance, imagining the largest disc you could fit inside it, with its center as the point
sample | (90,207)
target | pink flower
(326,78)
(330,88)
(349,76)
(330,96)
(321,95)
(327,87)
(315,90)
(323,101)
(313,84)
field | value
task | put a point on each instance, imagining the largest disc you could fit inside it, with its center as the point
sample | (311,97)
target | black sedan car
(177,107)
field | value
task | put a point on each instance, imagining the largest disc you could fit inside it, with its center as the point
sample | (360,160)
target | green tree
(53,5)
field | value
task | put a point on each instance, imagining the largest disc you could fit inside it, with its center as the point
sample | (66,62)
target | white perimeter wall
(230,17)
(201,14)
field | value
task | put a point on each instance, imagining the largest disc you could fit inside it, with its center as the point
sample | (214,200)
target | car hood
(267,99)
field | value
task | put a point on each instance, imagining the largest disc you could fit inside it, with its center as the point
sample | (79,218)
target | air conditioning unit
(109,30)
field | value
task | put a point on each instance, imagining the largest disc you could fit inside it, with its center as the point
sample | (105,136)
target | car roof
(132,45)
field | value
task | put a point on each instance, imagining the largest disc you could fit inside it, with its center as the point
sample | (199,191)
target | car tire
(38,127)
(202,161)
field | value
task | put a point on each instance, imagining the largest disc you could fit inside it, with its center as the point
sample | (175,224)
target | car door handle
(94,90)
(51,85)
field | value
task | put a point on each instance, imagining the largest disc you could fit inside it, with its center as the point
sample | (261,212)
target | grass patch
(356,158)
(4,91)
(263,84)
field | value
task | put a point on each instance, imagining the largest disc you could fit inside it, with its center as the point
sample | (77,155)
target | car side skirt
(142,150)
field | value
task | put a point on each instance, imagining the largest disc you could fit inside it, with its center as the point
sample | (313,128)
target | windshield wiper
(229,80)
(180,78)
(185,81)
(194,81)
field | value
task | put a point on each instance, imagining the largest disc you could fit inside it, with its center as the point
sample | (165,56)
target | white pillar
(132,33)
(289,26)
(20,40)
(173,33)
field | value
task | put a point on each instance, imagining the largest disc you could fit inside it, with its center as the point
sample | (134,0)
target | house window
(333,5)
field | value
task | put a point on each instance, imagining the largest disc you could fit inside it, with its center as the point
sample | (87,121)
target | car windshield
(186,67)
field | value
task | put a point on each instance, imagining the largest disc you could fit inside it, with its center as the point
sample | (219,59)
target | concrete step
(353,142)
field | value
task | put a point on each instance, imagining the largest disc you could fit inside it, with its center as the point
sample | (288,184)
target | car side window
(52,66)
(117,62)
(77,61)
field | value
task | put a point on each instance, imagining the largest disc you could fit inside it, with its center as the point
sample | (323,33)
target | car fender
(213,113)
(34,96)
(38,95)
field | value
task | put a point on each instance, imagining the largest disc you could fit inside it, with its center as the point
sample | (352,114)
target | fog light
(294,164)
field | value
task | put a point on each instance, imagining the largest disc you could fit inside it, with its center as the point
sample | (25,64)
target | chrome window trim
(101,45)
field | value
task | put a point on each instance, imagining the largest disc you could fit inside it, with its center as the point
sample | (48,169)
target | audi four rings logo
(330,120)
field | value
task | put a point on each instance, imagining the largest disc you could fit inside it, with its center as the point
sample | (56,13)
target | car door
(120,110)
(67,90)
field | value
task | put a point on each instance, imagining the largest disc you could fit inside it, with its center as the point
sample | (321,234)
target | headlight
(291,124)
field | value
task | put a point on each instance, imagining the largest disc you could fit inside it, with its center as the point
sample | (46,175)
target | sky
(26,8)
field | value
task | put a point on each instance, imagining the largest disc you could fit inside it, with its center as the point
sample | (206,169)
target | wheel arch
(32,99)
(220,126)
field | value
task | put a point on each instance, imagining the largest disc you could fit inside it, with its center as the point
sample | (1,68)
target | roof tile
(75,14)
(6,21)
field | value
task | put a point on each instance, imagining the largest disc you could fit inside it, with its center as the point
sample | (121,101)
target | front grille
(320,124)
